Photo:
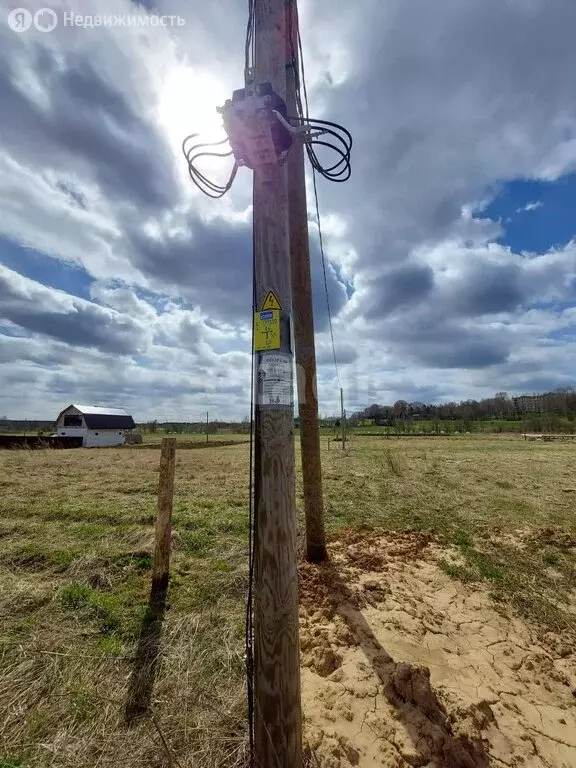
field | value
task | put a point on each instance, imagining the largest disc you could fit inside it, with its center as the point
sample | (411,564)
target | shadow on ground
(141,684)
(406,687)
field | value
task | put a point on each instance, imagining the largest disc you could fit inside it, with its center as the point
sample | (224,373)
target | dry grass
(75,542)
(76,533)
(196,437)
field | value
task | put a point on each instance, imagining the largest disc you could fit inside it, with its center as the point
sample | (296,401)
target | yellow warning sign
(267,329)
(271,302)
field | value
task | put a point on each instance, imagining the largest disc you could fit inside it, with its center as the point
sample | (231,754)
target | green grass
(35,556)
(457,571)
(76,543)
(113,613)
(491,499)
(156,437)
(543,422)
(75,595)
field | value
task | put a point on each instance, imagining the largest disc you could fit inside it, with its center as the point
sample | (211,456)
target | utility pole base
(316,553)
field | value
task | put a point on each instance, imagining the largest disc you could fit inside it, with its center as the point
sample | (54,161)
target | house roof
(97,417)
(105,421)
(98,410)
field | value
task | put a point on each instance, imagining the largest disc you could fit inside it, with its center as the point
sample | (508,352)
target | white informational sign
(275,379)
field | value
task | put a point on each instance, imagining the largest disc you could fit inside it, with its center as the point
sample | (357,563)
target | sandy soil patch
(404,666)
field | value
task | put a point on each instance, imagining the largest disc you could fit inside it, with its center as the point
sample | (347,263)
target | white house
(97,426)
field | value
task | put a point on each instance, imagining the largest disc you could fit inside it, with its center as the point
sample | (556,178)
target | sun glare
(188,105)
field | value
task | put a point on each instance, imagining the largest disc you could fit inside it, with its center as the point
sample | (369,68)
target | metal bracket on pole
(303,131)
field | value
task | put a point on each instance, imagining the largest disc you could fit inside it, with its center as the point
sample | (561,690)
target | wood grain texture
(277,727)
(276,649)
(342,419)
(161,566)
(303,324)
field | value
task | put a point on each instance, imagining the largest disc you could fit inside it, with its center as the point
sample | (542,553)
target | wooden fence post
(161,566)
(143,675)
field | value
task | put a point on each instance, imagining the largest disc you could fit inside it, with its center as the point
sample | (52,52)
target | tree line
(557,407)
(212,427)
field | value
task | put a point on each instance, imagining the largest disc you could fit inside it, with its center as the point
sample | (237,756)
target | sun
(188,102)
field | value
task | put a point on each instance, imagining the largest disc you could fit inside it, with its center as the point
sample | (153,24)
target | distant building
(98,427)
(528,404)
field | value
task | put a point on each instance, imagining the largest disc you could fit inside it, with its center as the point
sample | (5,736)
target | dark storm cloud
(545,382)
(75,196)
(435,340)
(470,352)
(405,286)
(73,321)
(490,289)
(483,287)
(115,385)
(211,264)
(83,121)
(34,351)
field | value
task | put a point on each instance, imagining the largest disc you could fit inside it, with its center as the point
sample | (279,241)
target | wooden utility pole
(277,713)
(161,565)
(303,322)
(206,426)
(342,419)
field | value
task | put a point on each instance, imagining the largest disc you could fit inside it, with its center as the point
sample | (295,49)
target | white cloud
(531,206)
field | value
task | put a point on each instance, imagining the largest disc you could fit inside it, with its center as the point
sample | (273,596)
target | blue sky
(451,260)
(51,272)
(536,216)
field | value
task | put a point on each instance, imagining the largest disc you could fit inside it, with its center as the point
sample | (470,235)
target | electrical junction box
(256,135)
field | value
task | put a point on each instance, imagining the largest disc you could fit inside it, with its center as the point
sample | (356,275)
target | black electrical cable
(341,170)
(321,239)
(249,638)
(206,185)
(211,186)
(330,172)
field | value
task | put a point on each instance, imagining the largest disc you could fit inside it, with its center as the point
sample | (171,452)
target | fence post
(161,567)
(144,673)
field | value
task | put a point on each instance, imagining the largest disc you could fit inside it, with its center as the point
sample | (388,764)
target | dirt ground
(405,666)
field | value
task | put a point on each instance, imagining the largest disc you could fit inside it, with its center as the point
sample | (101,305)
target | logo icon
(20,20)
(45,20)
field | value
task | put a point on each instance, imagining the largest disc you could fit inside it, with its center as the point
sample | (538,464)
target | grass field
(471,426)
(156,437)
(76,536)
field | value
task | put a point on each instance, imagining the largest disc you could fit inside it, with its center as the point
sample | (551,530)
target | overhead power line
(204,184)
(321,240)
